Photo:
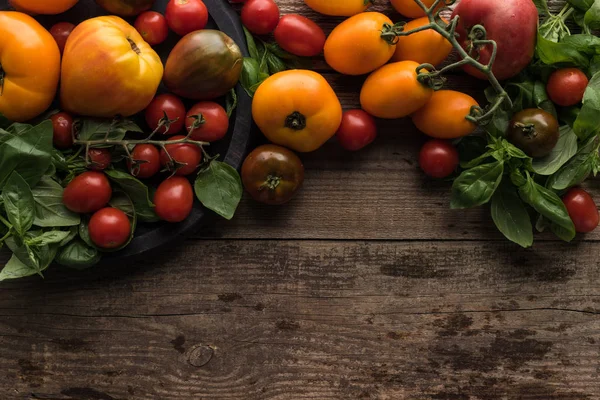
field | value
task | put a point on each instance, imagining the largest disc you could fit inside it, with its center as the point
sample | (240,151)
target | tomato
(443,116)
(174,199)
(300,36)
(99,159)
(126,8)
(534,131)
(187,156)
(438,158)
(62,130)
(43,6)
(272,174)
(61,32)
(393,91)
(27,89)
(410,9)
(87,192)
(108,70)
(425,47)
(260,16)
(215,125)
(566,86)
(185,16)
(297,109)
(148,161)
(358,129)
(172,106)
(152,26)
(109,228)
(582,210)
(339,8)
(358,46)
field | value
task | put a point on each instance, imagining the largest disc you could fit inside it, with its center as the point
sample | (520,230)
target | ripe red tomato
(438,158)
(99,159)
(582,210)
(185,16)
(61,32)
(170,104)
(152,26)
(174,199)
(186,154)
(109,228)
(300,36)
(260,16)
(87,192)
(566,86)
(216,121)
(62,125)
(149,161)
(358,129)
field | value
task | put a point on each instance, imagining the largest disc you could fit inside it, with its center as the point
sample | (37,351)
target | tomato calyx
(199,120)
(390,32)
(134,46)
(476,38)
(295,121)
(271,182)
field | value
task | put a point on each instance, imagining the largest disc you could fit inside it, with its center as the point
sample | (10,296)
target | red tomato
(174,199)
(438,158)
(170,104)
(358,129)
(61,32)
(185,154)
(99,159)
(566,86)
(87,192)
(215,125)
(152,26)
(109,228)
(149,161)
(582,210)
(300,36)
(185,16)
(62,125)
(260,16)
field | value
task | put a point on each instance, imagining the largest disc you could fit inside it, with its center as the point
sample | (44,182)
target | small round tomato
(438,158)
(62,130)
(300,36)
(358,129)
(185,16)
(566,86)
(410,9)
(87,192)
(174,199)
(61,32)
(99,159)
(109,228)
(172,106)
(215,125)
(425,47)
(272,174)
(152,26)
(443,117)
(185,157)
(582,210)
(339,8)
(147,161)
(534,131)
(260,16)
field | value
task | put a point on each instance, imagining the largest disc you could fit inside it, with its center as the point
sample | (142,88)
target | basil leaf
(582,5)
(78,255)
(564,150)
(51,237)
(250,75)
(476,186)
(592,16)
(588,120)
(275,64)
(98,129)
(73,231)
(84,232)
(511,217)
(16,269)
(577,169)
(219,188)
(542,6)
(18,203)
(251,43)
(551,53)
(49,208)
(37,257)
(138,193)
(18,129)
(471,147)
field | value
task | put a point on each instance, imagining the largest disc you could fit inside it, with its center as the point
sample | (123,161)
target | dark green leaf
(251,44)
(73,232)
(137,192)
(577,169)
(18,129)
(560,53)
(471,147)
(78,255)
(38,257)
(250,75)
(18,203)
(564,150)
(50,237)
(592,16)
(275,64)
(49,208)
(16,269)
(542,6)
(4,122)
(84,232)
(588,120)
(511,217)
(476,186)
(219,188)
(98,129)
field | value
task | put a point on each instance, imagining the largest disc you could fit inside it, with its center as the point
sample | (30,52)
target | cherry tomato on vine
(109,228)
(62,127)
(152,26)
(300,36)
(358,129)
(186,154)
(260,16)
(174,199)
(438,158)
(582,210)
(148,158)
(534,131)
(87,192)
(215,125)
(99,159)
(566,86)
(61,32)
(170,104)
(185,16)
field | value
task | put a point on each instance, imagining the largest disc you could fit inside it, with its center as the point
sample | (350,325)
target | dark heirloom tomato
(174,199)
(126,8)
(534,131)
(272,174)
(582,210)
(300,36)
(87,192)
(109,228)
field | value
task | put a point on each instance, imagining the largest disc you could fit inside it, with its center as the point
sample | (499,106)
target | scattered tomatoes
(152,26)
(62,130)
(566,86)
(358,129)
(148,161)
(444,115)
(174,199)
(186,157)
(582,210)
(185,16)
(172,106)
(109,228)
(87,192)
(61,32)
(215,125)
(260,16)
(99,159)
(300,36)
(438,158)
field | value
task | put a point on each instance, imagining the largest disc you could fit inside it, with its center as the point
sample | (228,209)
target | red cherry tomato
(260,16)
(185,16)
(149,161)
(152,26)
(358,129)
(61,32)
(182,153)
(109,228)
(438,158)
(87,192)
(582,210)
(62,126)
(300,36)
(566,86)
(215,125)
(99,159)
(170,104)
(174,199)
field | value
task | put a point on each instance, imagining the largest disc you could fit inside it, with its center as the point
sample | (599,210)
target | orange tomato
(393,91)
(29,67)
(443,116)
(50,7)
(356,46)
(423,47)
(410,9)
(339,8)
(297,109)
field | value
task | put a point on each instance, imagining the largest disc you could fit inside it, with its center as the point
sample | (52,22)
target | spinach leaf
(49,208)
(476,186)
(219,188)
(562,152)
(511,216)
(588,120)
(78,255)
(137,192)
(16,269)
(98,129)
(18,203)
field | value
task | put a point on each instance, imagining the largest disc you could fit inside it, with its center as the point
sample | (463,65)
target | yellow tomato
(393,91)
(443,116)
(423,47)
(297,109)
(410,9)
(339,8)
(50,7)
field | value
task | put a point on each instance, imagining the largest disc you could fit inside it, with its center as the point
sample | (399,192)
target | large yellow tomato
(393,91)
(339,8)
(29,67)
(50,7)
(108,69)
(443,116)
(410,9)
(423,47)
(297,109)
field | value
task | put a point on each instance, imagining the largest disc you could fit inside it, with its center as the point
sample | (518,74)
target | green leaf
(551,53)
(251,44)
(250,75)
(588,120)
(564,150)
(18,203)
(15,269)
(542,6)
(577,169)
(49,208)
(592,16)
(511,217)
(84,232)
(219,188)
(18,129)
(275,64)
(73,232)
(98,129)
(4,122)
(50,237)
(137,192)
(37,257)
(78,255)
(476,186)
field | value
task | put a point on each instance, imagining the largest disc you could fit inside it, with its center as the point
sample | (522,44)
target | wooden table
(366,286)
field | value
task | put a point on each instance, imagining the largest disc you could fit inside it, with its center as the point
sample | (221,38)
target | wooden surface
(366,286)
